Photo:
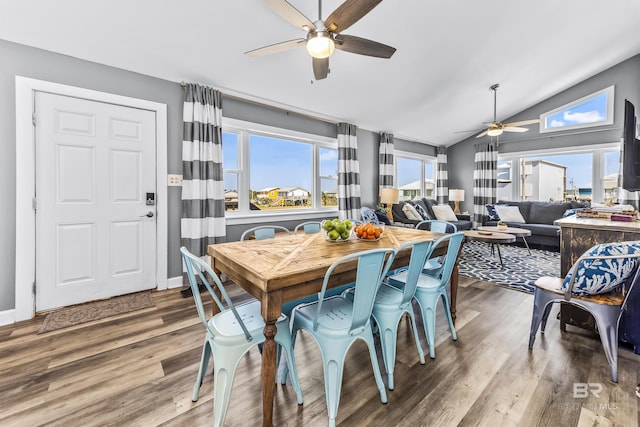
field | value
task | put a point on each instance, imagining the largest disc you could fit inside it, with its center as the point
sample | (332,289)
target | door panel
(95,162)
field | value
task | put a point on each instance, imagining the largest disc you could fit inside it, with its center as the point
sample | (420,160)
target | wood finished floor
(138,370)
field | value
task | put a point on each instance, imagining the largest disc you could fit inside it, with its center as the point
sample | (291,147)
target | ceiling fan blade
(348,13)
(291,14)
(514,129)
(362,46)
(320,68)
(467,131)
(523,122)
(483,133)
(275,48)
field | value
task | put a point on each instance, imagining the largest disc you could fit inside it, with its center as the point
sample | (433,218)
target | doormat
(78,314)
(520,270)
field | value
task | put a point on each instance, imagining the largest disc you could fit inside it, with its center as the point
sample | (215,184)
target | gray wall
(625,77)
(43,65)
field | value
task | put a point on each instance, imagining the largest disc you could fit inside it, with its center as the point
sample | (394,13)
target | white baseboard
(174,282)
(7,317)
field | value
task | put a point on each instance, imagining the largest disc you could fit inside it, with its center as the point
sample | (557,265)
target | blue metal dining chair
(392,303)
(229,335)
(308,227)
(437,226)
(263,232)
(432,265)
(433,286)
(337,322)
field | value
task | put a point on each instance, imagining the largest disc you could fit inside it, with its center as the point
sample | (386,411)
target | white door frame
(25,182)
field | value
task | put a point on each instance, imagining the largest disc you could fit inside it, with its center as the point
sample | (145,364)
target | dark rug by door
(95,310)
(520,269)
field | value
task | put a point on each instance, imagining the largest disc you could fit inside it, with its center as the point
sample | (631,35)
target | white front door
(95,170)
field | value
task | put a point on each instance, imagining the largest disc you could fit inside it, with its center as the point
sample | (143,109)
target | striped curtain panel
(348,172)
(203,208)
(485,175)
(442,176)
(386,160)
(626,197)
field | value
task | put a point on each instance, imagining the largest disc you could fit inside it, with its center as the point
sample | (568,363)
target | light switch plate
(174,180)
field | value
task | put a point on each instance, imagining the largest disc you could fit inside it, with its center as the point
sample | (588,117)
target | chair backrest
(368,215)
(308,227)
(263,232)
(453,242)
(197,266)
(437,226)
(372,267)
(420,252)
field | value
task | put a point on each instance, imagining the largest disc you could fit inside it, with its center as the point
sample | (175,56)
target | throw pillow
(509,213)
(444,213)
(491,213)
(598,276)
(421,211)
(382,217)
(411,213)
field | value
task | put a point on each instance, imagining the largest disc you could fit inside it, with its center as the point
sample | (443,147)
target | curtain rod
(285,108)
(541,136)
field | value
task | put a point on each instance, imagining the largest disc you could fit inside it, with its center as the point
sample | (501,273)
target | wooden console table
(577,235)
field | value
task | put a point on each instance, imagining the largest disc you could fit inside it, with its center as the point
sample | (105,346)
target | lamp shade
(456,195)
(389,195)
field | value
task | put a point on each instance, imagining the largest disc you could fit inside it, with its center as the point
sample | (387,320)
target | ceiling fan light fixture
(494,132)
(320,45)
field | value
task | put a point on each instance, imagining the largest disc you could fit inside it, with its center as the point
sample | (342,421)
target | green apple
(327,225)
(345,235)
(333,235)
(341,227)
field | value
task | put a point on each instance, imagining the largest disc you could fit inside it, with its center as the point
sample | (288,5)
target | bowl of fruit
(336,230)
(369,231)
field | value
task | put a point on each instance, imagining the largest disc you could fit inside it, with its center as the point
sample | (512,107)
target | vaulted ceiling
(448,53)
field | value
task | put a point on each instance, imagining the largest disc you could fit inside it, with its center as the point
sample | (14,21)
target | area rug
(96,310)
(520,269)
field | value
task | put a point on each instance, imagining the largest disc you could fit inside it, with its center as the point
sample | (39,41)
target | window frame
(597,164)
(423,158)
(610,91)
(244,130)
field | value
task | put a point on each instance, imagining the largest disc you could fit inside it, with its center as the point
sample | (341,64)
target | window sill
(245,218)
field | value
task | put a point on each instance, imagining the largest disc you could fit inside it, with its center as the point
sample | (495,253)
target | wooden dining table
(293,266)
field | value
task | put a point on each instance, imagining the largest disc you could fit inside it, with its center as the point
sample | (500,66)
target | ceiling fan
(325,36)
(496,128)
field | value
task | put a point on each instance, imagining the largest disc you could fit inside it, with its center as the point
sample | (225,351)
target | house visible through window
(415,176)
(270,170)
(592,110)
(588,175)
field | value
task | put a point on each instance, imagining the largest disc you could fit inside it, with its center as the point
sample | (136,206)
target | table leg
(526,244)
(268,373)
(499,255)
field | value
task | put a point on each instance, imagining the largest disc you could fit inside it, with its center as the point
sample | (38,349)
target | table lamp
(389,196)
(456,196)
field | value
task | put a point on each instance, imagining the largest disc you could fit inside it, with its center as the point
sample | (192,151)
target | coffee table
(516,231)
(495,239)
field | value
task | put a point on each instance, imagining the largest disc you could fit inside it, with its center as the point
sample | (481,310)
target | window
(274,171)
(592,110)
(415,176)
(589,174)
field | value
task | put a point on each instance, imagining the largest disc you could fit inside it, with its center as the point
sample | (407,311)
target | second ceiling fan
(325,36)
(496,128)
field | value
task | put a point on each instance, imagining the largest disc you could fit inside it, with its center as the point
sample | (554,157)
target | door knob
(148,215)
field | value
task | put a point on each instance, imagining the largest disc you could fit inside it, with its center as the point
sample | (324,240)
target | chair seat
(424,281)
(388,295)
(554,284)
(225,323)
(335,314)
